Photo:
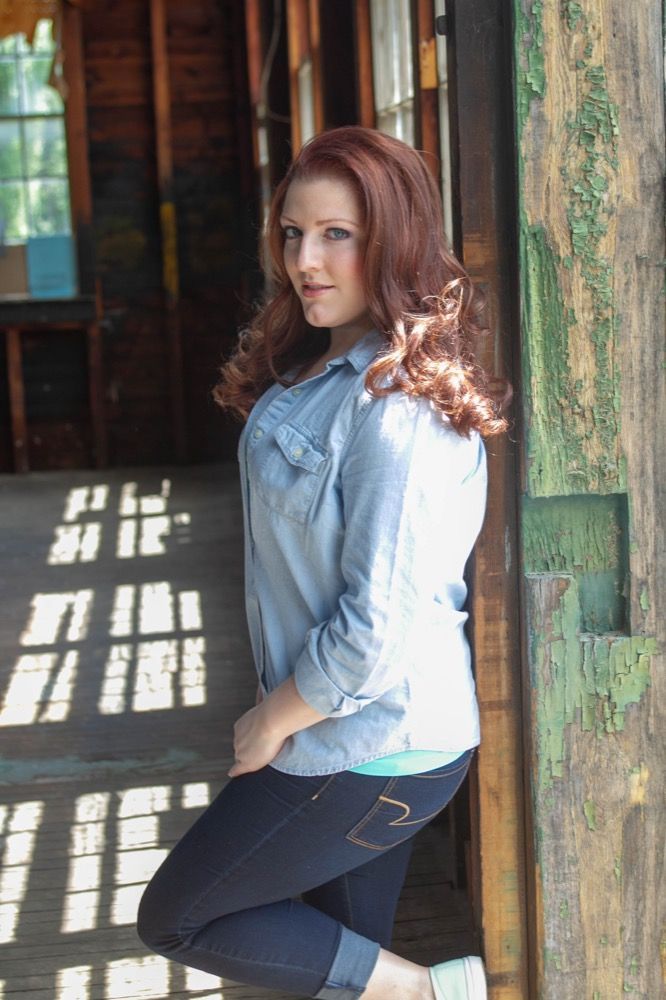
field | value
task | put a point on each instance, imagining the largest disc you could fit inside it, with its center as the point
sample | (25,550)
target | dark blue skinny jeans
(292,882)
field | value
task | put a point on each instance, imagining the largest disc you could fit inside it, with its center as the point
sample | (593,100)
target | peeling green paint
(594,131)
(590,811)
(530,73)
(572,435)
(564,909)
(573,13)
(585,536)
(552,958)
(580,676)
(644,600)
(617,870)
(555,446)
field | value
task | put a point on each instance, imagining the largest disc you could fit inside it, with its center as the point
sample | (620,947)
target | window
(393,68)
(36,250)
(444,126)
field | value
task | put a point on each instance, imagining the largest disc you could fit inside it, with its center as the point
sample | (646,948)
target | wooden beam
(254,48)
(298,51)
(95,389)
(363,45)
(76,128)
(314,39)
(591,149)
(480,106)
(428,96)
(17,415)
(168,223)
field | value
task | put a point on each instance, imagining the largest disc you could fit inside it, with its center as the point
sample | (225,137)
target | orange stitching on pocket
(401,805)
(446,774)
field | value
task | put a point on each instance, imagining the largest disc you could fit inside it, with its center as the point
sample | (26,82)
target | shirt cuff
(321,693)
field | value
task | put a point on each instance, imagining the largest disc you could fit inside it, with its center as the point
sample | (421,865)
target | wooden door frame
(479,43)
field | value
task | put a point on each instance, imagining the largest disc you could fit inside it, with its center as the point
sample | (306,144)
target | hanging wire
(263,109)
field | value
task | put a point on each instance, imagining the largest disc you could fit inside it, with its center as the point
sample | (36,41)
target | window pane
(49,207)
(444,127)
(8,45)
(392,57)
(43,40)
(8,88)
(37,97)
(10,150)
(13,219)
(45,150)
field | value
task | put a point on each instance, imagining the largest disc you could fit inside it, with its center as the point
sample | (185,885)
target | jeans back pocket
(406,804)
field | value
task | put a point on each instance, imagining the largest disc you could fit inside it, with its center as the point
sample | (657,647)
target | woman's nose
(309,255)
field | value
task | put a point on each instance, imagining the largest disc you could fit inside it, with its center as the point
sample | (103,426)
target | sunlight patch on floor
(18,826)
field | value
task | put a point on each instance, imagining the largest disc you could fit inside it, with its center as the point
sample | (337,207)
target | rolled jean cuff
(354,963)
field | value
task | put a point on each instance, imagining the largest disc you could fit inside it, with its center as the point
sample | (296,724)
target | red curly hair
(419,296)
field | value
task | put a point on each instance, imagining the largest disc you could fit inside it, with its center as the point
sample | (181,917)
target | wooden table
(18,316)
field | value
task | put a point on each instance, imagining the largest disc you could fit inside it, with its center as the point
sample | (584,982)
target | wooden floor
(123,664)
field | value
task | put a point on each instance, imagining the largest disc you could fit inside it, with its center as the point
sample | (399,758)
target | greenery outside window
(36,248)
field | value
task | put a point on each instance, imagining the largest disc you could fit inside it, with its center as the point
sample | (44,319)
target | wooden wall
(214,216)
(212,190)
(589,87)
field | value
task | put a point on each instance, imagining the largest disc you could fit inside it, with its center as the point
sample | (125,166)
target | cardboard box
(13,270)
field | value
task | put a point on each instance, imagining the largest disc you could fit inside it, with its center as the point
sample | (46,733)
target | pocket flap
(298,448)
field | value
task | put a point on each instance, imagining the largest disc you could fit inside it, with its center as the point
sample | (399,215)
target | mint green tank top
(407,762)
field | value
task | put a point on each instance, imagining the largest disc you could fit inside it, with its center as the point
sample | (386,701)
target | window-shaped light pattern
(123,637)
(156,654)
(116,841)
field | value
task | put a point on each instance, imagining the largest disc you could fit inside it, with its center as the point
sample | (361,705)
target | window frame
(78,169)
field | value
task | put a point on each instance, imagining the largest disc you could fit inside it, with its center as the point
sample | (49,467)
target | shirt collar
(364,351)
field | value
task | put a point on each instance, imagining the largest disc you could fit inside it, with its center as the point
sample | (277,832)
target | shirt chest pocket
(289,477)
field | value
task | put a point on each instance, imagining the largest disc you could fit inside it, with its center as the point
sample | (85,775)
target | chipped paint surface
(590,811)
(530,71)
(572,397)
(578,678)
(585,536)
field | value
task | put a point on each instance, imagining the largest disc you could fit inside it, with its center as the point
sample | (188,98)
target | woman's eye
(335,233)
(291,232)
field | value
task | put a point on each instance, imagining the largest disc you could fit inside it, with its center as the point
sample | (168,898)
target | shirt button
(296,392)
(258,433)
(297,453)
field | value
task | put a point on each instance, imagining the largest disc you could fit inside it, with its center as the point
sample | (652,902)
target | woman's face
(324,241)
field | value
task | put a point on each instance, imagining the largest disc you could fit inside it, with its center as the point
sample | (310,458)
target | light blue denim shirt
(360,514)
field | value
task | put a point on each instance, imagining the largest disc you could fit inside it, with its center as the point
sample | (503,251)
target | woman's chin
(316,316)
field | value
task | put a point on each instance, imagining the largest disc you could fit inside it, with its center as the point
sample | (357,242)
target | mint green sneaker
(461,979)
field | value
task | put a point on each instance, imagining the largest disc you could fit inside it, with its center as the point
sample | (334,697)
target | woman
(363,477)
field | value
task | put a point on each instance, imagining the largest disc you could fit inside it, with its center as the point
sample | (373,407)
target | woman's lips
(312,291)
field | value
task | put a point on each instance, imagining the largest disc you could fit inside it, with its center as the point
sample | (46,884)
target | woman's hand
(260,734)
(255,744)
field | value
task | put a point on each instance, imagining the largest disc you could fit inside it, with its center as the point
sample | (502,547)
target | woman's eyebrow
(323,222)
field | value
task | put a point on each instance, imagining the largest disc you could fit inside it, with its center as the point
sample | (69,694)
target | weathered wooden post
(589,91)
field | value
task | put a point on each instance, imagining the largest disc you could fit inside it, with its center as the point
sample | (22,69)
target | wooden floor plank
(119,590)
